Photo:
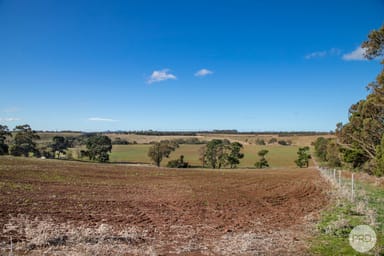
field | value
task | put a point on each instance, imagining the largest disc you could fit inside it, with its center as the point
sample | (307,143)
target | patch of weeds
(334,228)
(376,202)
(15,186)
(56,176)
(337,222)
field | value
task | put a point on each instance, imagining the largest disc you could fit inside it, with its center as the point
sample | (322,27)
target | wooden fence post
(353,188)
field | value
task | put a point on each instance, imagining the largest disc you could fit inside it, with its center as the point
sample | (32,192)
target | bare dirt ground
(70,208)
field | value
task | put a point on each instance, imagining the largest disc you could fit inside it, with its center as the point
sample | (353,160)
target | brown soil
(79,209)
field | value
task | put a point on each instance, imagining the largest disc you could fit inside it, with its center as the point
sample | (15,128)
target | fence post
(11,253)
(334,175)
(340,178)
(352,188)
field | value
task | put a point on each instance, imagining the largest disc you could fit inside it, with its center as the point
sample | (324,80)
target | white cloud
(161,75)
(203,72)
(9,119)
(313,55)
(325,53)
(100,119)
(357,54)
(11,110)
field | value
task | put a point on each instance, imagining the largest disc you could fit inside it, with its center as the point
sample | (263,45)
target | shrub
(262,163)
(303,157)
(120,141)
(178,163)
(260,142)
(272,141)
(285,142)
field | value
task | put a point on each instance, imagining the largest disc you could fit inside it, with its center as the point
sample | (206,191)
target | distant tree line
(156,133)
(229,131)
(120,141)
(261,142)
(191,141)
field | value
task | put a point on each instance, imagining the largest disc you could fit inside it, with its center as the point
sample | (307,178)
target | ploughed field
(79,208)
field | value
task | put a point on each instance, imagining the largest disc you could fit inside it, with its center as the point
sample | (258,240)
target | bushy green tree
(333,154)
(99,147)
(215,154)
(262,163)
(4,133)
(235,154)
(354,157)
(303,157)
(59,144)
(361,136)
(220,153)
(161,149)
(24,141)
(320,146)
(379,168)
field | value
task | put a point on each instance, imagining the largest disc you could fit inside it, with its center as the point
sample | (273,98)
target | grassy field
(278,156)
(136,153)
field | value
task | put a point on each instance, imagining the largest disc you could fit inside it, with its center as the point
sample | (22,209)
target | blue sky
(184,65)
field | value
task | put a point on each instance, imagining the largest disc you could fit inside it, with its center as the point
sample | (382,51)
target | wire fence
(348,188)
(343,181)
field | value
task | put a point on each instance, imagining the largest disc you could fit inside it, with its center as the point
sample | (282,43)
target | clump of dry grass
(38,236)
(278,242)
(45,237)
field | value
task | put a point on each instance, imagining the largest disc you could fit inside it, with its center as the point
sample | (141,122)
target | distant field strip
(278,156)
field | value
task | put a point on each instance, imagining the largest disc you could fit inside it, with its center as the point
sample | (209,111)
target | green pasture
(278,156)
(135,153)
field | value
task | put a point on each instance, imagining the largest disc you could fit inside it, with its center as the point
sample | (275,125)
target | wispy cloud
(203,72)
(11,110)
(322,54)
(357,54)
(9,119)
(161,75)
(100,119)
(313,55)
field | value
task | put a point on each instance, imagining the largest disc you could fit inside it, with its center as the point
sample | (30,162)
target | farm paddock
(62,207)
